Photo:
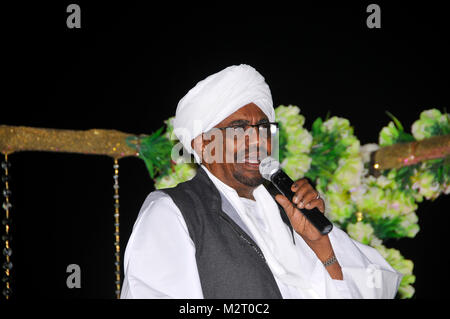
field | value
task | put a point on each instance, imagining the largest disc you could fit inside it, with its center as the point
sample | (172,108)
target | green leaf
(387,228)
(405,137)
(317,126)
(396,121)
(154,149)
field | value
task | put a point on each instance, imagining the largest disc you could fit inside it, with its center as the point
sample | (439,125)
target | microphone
(270,169)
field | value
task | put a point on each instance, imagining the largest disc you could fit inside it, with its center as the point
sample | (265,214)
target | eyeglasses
(269,128)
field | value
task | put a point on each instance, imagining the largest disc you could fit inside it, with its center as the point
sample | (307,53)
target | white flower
(296,165)
(339,124)
(426,185)
(375,242)
(366,150)
(340,206)
(388,135)
(383,181)
(423,128)
(354,147)
(289,116)
(299,141)
(419,130)
(349,172)
(357,193)
(432,114)
(166,181)
(169,129)
(362,232)
(409,223)
(447,189)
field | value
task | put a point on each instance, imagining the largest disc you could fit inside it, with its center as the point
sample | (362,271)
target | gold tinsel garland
(94,141)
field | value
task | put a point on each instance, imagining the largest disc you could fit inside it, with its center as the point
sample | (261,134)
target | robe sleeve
(366,273)
(160,255)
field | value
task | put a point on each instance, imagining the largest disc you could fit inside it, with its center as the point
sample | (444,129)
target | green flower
(389,135)
(432,122)
(166,181)
(403,266)
(446,190)
(296,165)
(348,174)
(169,129)
(424,182)
(374,203)
(181,173)
(402,201)
(362,232)
(185,171)
(289,116)
(340,206)
(409,224)
(340,125)
(352,146)
(299,141)
(407,291)
(385,182)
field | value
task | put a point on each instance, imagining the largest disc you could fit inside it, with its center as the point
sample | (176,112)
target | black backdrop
(128,66)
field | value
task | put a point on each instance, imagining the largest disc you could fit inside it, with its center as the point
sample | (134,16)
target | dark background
(128,66)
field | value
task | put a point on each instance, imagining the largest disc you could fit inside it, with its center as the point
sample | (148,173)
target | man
(222,234)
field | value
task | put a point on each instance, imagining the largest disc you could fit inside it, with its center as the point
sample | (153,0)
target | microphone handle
(284,183)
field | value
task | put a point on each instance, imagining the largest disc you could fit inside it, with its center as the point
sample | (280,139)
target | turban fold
(217,97)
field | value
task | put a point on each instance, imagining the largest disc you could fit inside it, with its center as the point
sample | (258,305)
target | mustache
(251,154)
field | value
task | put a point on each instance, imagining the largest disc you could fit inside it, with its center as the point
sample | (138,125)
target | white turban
(217,97)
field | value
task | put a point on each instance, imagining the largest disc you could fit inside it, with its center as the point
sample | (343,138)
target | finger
(285,203)
(295,216)
(300,193)
(298,184)
(309,196)
(319,203)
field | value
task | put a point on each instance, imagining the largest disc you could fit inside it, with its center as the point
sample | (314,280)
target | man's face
(239,166)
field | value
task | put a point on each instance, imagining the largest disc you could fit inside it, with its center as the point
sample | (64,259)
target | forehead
(248,112)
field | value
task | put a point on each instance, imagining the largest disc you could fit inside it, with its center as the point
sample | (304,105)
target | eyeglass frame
(246,126)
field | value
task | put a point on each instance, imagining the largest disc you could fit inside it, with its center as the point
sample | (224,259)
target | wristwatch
(330,261)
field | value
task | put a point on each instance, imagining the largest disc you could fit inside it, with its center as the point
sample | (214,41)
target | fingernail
(295,199)
(301,205)
(308,205)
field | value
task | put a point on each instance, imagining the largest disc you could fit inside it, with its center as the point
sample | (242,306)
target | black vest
(230,264)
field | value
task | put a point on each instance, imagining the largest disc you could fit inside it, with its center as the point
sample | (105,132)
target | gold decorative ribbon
(94,141)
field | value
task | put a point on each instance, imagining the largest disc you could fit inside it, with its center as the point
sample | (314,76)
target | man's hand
(305,197)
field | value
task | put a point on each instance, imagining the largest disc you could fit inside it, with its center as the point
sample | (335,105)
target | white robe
(160,260)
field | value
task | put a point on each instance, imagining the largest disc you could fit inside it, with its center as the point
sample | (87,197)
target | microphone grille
(268,167)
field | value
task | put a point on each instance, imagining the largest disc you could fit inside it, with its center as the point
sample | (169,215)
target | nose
(258,142)
(253,138)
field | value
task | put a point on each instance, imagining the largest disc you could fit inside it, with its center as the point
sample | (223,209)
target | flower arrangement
(370,209)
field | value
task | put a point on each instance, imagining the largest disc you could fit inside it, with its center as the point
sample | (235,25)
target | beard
(252,181)
(243,176)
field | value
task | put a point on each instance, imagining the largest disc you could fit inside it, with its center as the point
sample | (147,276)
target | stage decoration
(154,150)
(94,142)
(7,251)
(116,226)
(371,191)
